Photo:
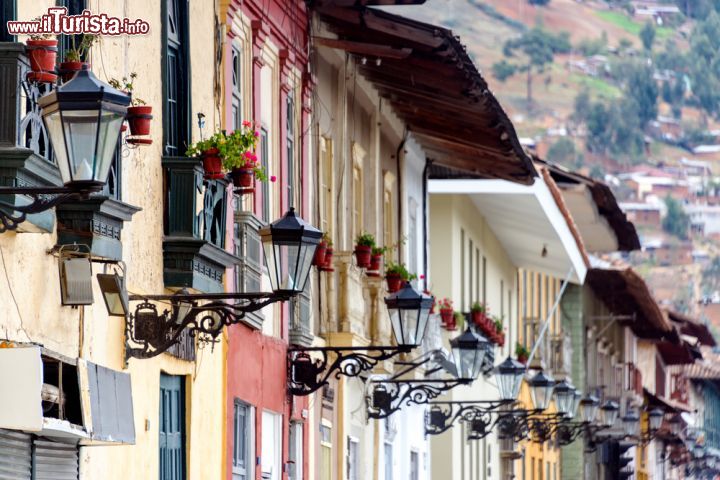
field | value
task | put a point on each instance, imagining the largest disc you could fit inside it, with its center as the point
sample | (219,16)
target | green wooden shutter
(8,9)
(172,427)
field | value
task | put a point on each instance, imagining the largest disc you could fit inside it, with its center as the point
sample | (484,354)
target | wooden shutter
(15,455)
(172,428)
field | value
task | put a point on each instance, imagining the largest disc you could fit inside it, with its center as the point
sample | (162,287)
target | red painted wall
(256,364)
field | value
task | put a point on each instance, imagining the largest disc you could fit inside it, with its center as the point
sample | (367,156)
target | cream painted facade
(30,280)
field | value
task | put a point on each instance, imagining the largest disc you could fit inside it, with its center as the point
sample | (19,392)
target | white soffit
(525,219)
(594,229)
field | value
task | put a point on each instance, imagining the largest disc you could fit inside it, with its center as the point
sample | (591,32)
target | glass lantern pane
(271,263)
(396,326)
(53,123)
(289,259)
(80,134)
(408,325)
(422,324)
(110,124)
(307,252)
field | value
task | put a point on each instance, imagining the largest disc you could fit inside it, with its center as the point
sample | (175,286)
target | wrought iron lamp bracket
(486,411)
(43,198)
(150,333)
(307,374)
(409,392)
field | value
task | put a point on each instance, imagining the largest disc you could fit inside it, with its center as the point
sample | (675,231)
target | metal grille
(15,455)
(212,219)
(54,461)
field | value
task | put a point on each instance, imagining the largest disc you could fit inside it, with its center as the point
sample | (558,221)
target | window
(74,7)
(176,107)
(388,450)
(353,459)
(265,161)
(325,450)
(326,184)
(484,279)
(243,440)
(172,427)
(296,451)
(8,12)
(248,249)
(237,98)
(414,465)
(290,134)
(271,446)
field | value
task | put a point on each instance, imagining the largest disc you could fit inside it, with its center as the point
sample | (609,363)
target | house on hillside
(658,12)
(643,214)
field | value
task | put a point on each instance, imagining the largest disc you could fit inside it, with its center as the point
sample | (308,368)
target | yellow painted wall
(29,285)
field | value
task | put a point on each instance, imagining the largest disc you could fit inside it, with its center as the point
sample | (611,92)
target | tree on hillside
(563,152)
(676,221)
(647,35)
(538,47)
(642,89)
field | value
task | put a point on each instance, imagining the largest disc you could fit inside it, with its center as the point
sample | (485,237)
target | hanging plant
(521,353)
(42,52)
(364,244)
(395,275)
(376,259)
(73,61)
(139,113)
(446,312)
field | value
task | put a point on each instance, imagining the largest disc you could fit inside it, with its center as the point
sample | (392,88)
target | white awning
(527,221)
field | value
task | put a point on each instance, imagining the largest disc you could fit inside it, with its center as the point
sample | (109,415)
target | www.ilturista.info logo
(57,22)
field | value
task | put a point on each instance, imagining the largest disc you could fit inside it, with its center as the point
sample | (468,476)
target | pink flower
(422,276)
(246,123)
(273,178)
(257,134)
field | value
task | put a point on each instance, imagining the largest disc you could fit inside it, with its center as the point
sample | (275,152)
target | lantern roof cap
(541,380)
(85,87)
(510,365)
(469,339)
(289,225)
(407,296)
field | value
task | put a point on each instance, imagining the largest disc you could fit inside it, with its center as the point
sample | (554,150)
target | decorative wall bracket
(307,374)
(43,198)
(389,396)
(481,417)
(150,333)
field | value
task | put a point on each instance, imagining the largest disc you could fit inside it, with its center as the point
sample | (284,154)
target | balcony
(195,216)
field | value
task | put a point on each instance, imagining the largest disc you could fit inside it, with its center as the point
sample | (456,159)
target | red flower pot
(501,339)
(69,69)
(139,119)
(362,255)
(447,316)
(522,359)
(394,282)
(328,266)
(375,262)
(243,177)
(42,54)
(319,258)
(212,164)
(478,318)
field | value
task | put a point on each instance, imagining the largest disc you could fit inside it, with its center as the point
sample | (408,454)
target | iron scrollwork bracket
(150,333)
(482,416)
(43,198)
(390,396)
(307,374)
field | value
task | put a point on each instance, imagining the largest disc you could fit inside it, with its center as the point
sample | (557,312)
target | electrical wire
(12,294)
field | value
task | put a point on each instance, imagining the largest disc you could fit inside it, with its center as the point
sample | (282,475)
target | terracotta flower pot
(328,266)
(501,339)
(212,164)
(394,282)
(69,69)
(522,359)
(139,119)
(376,262)
(243,177)
(42,54)
(319,257)
(447,316)
(362,255)
(478,318)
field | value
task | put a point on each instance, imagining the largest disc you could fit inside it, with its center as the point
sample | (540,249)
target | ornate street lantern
(509,375)
(409,312)
(289,245)
(655,418)
(83,118)
(564,397)
(675,425)
(541,388)
(609,413)
(468,351)
(631,423)
(575,405)
(589,408)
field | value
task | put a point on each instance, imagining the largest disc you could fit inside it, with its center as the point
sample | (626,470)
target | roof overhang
(676,353)
(626,294)
(432,84)
(603,225)
(528,222)
(670,406)
(693,328)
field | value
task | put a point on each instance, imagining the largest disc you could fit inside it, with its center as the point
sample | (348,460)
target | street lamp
(631,423)
(589,408)
(541,388)
(468,351)
(655,418)
(609,413)
(564,397)
(289,245)
(509,375)
(409,312)
(83,118)
(675,425)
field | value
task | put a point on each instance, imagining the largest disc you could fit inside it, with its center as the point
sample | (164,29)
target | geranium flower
(246,123)
(273,178)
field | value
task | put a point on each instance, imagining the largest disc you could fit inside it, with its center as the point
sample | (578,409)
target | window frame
(247,472)
(183,103)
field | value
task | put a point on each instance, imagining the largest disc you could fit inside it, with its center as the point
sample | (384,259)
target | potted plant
(42,51)
(364,244)
(376,256)
(328,266)
(478,314)
(73,61)
(458,321)
(139,113)
(395,275)
(521,353)
(499,334)
(232,152)
(446,312)
(319,258)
